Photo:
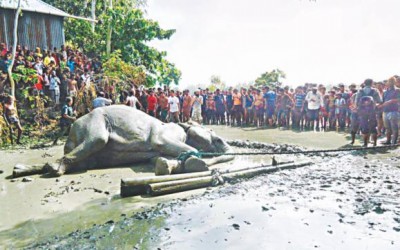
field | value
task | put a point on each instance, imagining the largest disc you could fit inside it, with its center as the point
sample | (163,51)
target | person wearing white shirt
(54,88)
(173,107)
(197,102)
(131,100)
(314,103)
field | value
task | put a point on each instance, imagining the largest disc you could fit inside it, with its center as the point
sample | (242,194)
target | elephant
(118,135)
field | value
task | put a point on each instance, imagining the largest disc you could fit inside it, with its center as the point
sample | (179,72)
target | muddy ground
(343,201)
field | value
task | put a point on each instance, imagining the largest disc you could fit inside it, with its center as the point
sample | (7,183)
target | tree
(14,49)
(270,78)
(216,83)
(122,27)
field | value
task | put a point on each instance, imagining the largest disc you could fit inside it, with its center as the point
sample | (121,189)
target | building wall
(34,29)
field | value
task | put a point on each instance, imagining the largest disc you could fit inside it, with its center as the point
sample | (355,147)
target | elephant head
(202,139)
(205,140)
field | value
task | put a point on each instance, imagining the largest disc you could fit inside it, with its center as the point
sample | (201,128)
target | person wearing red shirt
(39,83)
(3,50)
(151,104)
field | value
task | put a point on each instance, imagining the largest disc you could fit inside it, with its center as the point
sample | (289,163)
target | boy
(11,116)
(67,118)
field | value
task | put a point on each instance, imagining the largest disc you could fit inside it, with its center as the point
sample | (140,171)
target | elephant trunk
(222,158)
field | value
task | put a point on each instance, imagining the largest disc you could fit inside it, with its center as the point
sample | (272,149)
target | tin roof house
(40,25)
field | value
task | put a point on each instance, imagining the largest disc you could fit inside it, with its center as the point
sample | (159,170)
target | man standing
(354,119)
(366,101)
(132,100)
(67,118)
(270,104)
(314,100)
(151,104)
(55,88)
(173,107)
(143,99)
(283,105)
(101,101)
(186,106)
(11,116)
(197,103)
(297,114)
(163,105)
(390,108)
(220,106)
(237,109)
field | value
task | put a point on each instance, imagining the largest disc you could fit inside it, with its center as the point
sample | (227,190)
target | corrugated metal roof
(37,6)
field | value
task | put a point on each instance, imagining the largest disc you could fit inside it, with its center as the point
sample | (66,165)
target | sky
(322,41)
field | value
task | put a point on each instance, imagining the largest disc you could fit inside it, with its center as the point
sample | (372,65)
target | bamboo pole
(170,187)
(138,185)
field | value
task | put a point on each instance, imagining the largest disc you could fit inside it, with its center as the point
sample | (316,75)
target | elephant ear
(185,126)
(193,123)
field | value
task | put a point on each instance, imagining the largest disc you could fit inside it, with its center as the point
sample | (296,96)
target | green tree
(271,78)
(216,83)
(122,27)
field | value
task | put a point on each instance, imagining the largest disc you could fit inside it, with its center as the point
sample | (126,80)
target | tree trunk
(14,49)
(93,15)
(109,31)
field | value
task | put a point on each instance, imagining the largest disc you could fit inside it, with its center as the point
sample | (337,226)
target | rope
(217,178)
(184,156)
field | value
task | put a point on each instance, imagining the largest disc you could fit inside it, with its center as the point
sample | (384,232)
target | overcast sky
(327,41)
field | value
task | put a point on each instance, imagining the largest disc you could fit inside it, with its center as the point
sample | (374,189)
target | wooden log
(25,170)
(154,179)
(253,172)
(170,187)
(138,185)
(167,167)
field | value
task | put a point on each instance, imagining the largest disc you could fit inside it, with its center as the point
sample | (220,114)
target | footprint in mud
(236,226)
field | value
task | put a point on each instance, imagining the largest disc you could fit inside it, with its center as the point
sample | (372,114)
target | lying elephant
(118,135)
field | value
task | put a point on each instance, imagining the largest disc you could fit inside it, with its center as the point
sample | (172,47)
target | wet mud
(343,201)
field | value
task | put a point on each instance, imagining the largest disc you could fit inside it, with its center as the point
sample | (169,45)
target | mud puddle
(349,201)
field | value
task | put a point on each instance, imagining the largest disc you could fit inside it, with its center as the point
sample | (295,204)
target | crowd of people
(53,75)
(58,72)
(372,108)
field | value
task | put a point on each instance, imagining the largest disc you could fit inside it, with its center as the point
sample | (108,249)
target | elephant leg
(218,159)
(25,170)
(166,166)
(163,143)
(194,164)
(171,148)
(77,155)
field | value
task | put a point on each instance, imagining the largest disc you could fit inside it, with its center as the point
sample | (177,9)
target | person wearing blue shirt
(220,106)
(229,105)
(71,65)
(390,108)
(68,116)
(249,114)
(270,98)
(297,115)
